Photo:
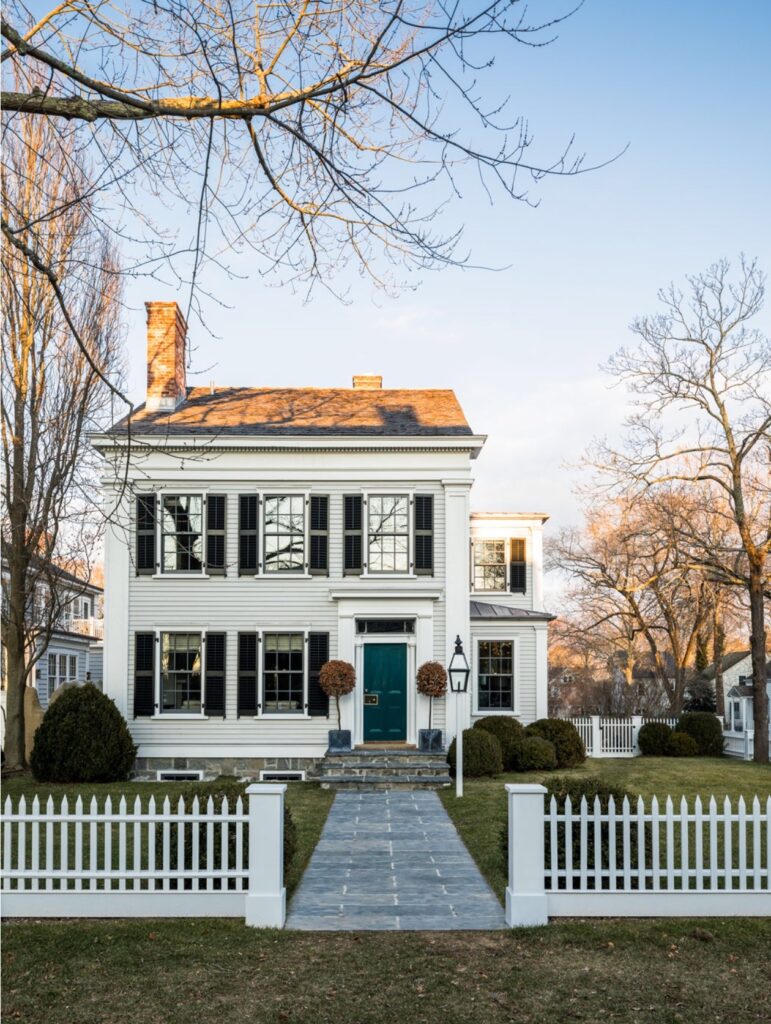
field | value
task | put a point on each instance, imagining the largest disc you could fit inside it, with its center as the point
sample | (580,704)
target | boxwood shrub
(82,738)
(509,732)
(706,730)
(536,754)
(481,754)
(652,739)
(564,735)
(680,744)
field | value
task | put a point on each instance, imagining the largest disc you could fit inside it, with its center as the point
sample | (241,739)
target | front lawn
(208,972)
(481,813)
(308,803)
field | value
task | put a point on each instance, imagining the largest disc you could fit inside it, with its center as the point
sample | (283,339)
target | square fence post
(265,904)
(596,750)
(526,898)
(637,722)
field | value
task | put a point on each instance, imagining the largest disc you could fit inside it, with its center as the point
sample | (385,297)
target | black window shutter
(352,530)
(215,534)
(319,554)
(247,674)
(424,534)
(145,536)
(518,566)
(247,534)
(214,693)
(144,675)
(318,655)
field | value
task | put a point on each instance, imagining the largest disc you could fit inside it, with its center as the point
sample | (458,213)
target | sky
(687,87)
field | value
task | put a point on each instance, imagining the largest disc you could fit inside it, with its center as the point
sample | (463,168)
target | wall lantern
(458,669)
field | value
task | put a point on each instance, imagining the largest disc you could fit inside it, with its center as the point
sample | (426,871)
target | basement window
(268,775)
(179,775)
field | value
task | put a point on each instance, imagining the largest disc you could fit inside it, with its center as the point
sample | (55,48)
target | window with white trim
(490,565)
(182,534)
(495,675)
(181,673)
(388,533)
(283,533)
(73,666)
(283,673)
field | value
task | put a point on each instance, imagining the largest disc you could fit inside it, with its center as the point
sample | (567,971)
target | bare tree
(53,393)
(701,377)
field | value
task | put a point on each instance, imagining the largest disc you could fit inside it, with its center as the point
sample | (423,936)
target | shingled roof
(394,412)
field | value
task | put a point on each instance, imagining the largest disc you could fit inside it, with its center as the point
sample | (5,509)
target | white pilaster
(457,592)
(117,566)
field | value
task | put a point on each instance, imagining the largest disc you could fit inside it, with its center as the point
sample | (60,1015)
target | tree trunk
(718,649)
(758,649)
(14,748)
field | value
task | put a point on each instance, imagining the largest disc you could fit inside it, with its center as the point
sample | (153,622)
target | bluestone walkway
(392,860)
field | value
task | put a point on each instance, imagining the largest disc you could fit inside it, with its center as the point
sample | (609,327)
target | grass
(481,813)
(308,802)
(147,972)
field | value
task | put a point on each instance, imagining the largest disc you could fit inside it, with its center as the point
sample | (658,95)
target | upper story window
(284,533)
(499,565)
(182,533)
(389,533)
(181,673)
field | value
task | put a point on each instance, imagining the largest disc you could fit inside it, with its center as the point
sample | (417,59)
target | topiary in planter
(652,739)
(680,744)
(337,679)
(431,682)
(706,730)
(481,754)
(509,732)
(82,738)
(564,735)
(535,754)
(231,788)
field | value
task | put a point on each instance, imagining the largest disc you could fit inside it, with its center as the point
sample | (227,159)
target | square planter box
(430,741)
(339,741)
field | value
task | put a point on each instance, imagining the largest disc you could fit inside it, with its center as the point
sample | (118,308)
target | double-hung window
(181,674)
(489,565)
(495,675)
(182,536)
(284,533)
(388,533)
(283,675)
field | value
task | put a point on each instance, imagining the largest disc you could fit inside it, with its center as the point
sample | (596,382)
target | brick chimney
(166,339)
(368,382)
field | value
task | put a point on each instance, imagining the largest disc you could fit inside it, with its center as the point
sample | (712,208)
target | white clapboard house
(260,532)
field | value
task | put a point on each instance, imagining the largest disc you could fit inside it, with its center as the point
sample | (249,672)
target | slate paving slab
(390,861)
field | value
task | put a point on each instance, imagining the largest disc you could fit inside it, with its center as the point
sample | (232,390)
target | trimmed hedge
(565,737)
(680,744)
(509,732)
(481,754)
(706,730)
(82,738)
(652,739)
(536,754)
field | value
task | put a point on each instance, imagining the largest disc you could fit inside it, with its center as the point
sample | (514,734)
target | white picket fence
(613,736)
(636,861)
(740,744)
(153,860)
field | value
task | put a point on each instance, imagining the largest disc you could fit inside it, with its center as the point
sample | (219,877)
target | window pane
(284,533)
(496,675)
(182,533)
(389,542)
(181,672)
(283,675)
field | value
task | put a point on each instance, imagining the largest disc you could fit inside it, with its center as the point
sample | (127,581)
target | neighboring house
(264,531)
(74,652)
(737,688)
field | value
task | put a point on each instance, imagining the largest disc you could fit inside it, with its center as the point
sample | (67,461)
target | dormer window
(284,533)
(388,533)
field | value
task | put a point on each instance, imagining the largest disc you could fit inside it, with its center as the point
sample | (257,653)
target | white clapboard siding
(138,859)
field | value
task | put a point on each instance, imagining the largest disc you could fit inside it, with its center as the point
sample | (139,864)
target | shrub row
(698,733)
(544,745)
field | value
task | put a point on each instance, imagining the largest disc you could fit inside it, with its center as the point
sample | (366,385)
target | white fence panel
(146,861)
(638,861)
(614,736)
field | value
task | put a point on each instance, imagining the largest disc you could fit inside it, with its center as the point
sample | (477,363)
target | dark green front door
(385,693)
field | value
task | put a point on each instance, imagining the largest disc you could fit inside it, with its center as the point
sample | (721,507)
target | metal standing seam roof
(485,610)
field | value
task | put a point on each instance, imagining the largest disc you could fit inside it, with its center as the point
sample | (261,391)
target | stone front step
(370,780)
(384,768)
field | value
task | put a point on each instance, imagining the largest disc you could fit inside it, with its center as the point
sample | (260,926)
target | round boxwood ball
(82,738)
(537,755)
(481,754)
(509,732)
(706,730)
(565,737)
(652,739)
(680,744)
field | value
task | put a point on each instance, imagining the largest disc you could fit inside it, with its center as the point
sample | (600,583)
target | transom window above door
(388,533)
(284,533)
(495,684)
(182,533)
